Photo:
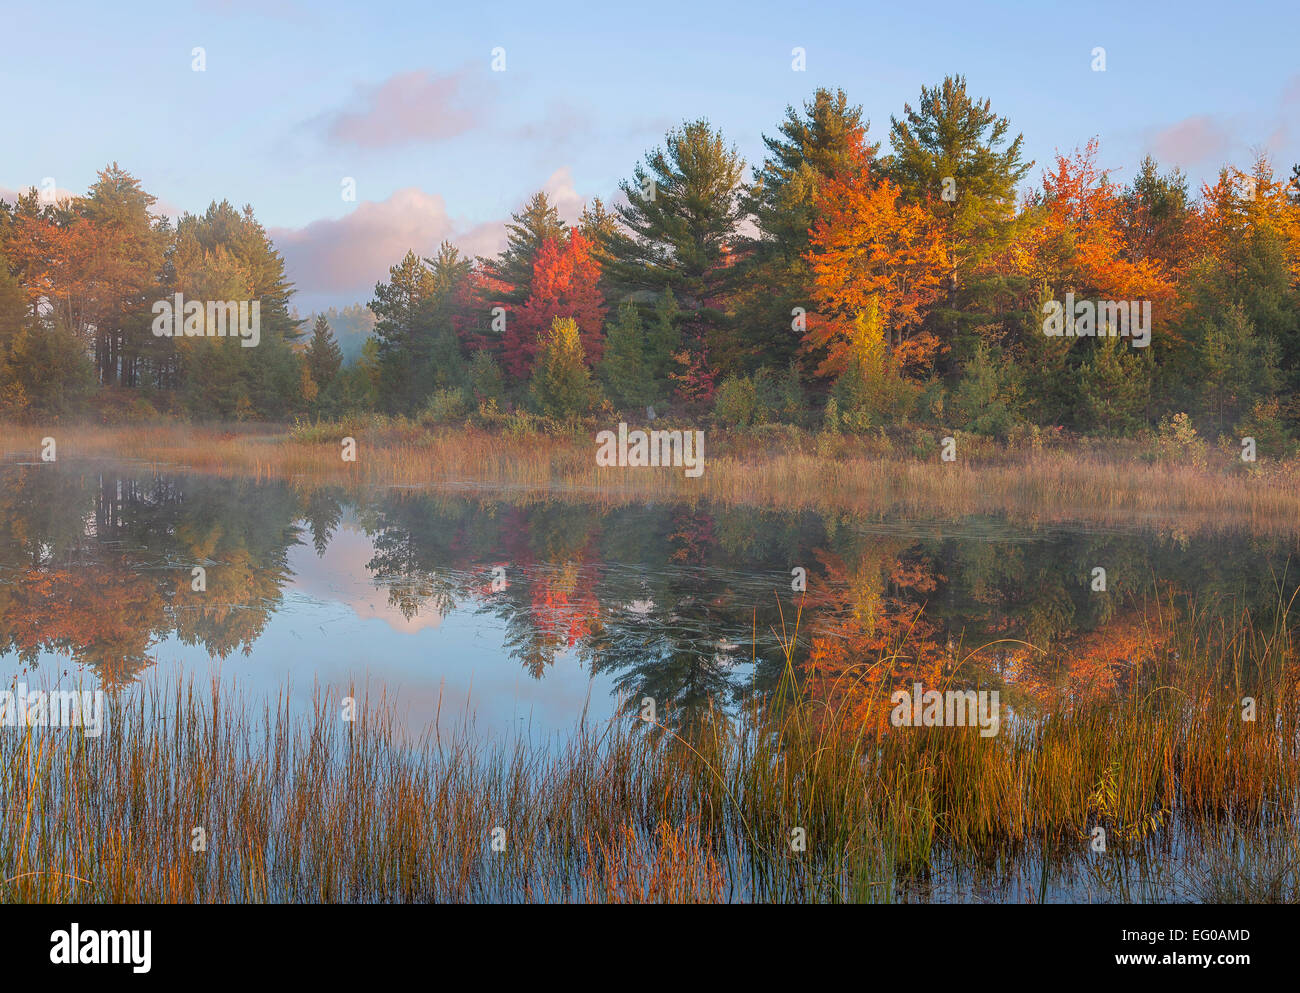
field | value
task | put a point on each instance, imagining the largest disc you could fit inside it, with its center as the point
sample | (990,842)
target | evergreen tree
(950,136)
(663,343)
(43,367)
(403,307)
(13,308)
(561,385)
(485,380)
(680,219)
(952,152)
(225,254)
(1156,216)
(1114,386)
(625,369)
(324,357)
(351,326)
(365,384)
(118,246)
(985,394)
(324,513)
(808,147)
(449,272)
(1251,263)
(1050,382)
(527,231)
(1237,367)
(601,228)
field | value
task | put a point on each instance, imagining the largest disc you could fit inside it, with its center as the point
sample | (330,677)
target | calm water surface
(534,615)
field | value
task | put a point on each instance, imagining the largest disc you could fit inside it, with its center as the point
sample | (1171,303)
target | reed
(1083,483)
(305,806)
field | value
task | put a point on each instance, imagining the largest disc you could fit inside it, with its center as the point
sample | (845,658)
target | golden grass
(1090,484)
(314,808)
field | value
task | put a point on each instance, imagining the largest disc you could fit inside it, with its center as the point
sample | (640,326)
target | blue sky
(402,98)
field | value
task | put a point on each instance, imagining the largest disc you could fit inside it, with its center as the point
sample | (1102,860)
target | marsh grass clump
(193,795)
(787,469)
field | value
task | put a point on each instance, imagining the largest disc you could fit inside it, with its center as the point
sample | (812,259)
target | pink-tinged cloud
(11,196)
(489,239)
(1194,141)
(1291,94)
(341,576)
(342,259)
(485,240)
(349,255)
(1288,118)
(407,108)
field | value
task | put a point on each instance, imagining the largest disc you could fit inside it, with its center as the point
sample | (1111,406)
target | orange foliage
(1079,244)
(871,252)
(97,614)
(566,278)
(870,634)
(1240,203)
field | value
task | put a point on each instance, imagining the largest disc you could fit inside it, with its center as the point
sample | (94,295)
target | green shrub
(522,424)
(778,399)
(561,386)
(736,402)
(352,425)
(984,395)
(867,398)
(1264,424)
(448,406)
(485,380)
(1114,384)
(831,416)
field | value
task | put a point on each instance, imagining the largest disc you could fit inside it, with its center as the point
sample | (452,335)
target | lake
(524,615)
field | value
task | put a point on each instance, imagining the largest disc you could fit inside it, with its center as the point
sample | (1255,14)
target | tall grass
(1086,484)
(310,807)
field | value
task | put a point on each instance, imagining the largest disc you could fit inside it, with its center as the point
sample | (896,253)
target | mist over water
(531,617)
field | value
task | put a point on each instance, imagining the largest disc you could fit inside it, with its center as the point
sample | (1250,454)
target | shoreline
(794,472)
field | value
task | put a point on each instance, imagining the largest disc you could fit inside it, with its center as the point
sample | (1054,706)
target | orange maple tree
(1079,244)
(871,252)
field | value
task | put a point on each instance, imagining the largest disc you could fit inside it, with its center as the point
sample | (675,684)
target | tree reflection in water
(680,603)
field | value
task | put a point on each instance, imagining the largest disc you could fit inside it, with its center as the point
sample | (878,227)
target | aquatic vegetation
(1113,483)
(192,796)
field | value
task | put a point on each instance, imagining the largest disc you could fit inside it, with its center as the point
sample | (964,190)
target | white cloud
(339,260)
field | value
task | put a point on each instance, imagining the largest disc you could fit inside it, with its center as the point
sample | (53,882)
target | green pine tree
(809,146)
(1237,367)
(324,357)
(984,396)
(663,344)
(1114,387)
(561,386)
(485,380)
(538,221)
(680,221)
(954,153)
(404,307)
(624,368)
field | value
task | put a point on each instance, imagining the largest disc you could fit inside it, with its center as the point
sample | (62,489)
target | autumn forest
(860,279)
